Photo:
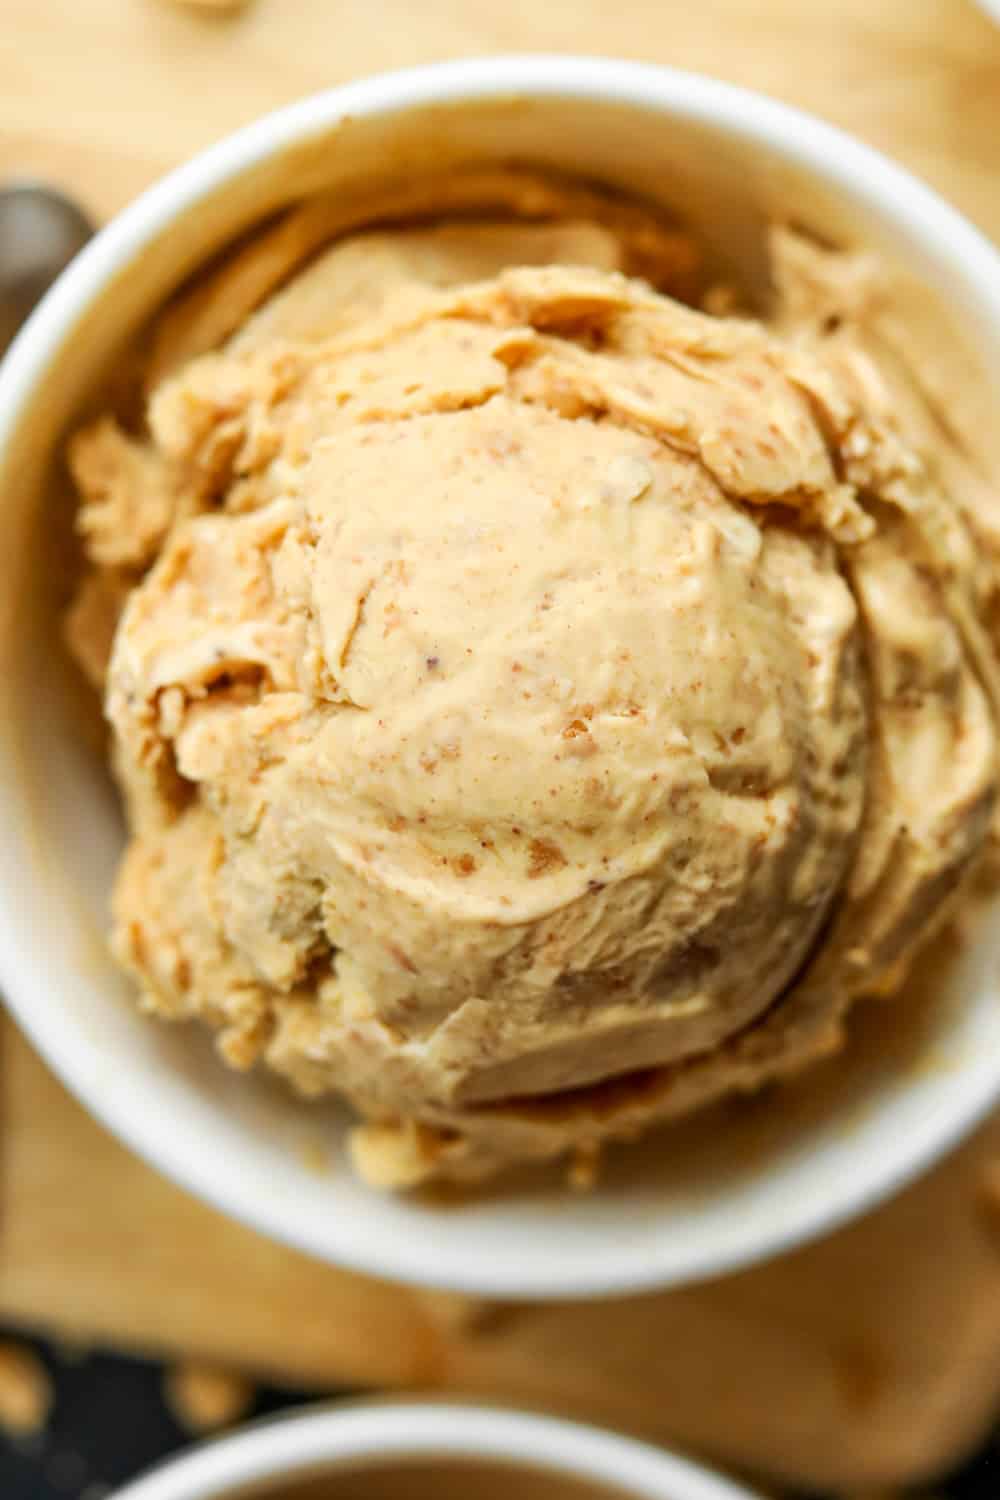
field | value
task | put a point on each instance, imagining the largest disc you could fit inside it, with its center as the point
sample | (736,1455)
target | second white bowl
(373,1449)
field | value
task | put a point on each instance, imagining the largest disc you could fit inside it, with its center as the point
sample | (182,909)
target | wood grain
(863,1360)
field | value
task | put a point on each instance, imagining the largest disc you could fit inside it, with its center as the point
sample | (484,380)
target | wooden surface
(867,1359)
(102,97)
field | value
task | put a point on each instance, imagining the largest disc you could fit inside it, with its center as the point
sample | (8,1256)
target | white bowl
(693,1202)
(349,1441)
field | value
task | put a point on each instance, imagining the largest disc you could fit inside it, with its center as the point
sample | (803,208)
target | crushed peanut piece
(204,1397)
(25,1390)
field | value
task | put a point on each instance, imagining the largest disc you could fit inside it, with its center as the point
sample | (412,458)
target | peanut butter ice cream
(541,705)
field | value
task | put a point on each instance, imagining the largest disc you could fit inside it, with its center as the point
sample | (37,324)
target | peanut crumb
(25,1390)
(203,1397)
(397,1153)
(544,856)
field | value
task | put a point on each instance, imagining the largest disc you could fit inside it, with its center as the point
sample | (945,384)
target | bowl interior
(728,1188)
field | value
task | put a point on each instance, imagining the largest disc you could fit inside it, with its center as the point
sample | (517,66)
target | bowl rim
(865,177)
(288,1446)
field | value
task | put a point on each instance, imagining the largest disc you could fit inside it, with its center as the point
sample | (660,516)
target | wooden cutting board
(866,1359)
(105,95)
(877,1367)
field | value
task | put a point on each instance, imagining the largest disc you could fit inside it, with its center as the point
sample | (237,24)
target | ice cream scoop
(549,704)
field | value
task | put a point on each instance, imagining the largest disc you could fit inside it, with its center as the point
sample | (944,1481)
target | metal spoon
(40,232)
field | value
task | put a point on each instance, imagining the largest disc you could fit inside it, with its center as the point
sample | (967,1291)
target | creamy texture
(541,706)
